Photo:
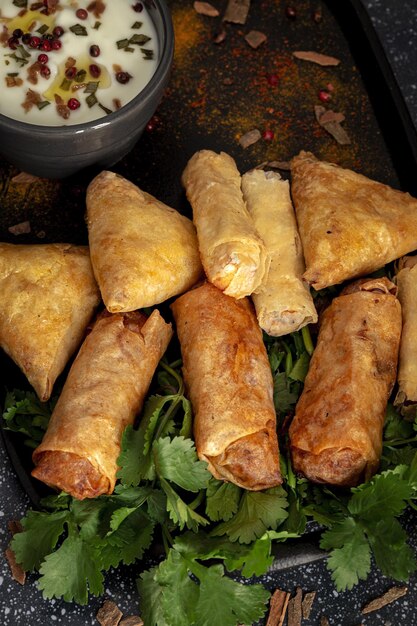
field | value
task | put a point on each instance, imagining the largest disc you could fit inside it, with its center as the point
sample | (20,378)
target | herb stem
(308,343)
(197,501)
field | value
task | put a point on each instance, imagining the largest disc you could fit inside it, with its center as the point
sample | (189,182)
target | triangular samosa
(349,225)
(48,296)
(142,251)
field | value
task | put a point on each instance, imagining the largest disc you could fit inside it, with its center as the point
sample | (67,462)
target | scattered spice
(220,37)
(278,607)
(389,596)
(237,11)
(249,138)
(330,121)
(316,57)
(268,134)
(96,8)
(307,603)
(228,81)
(131,620)
(24,178)
(324,621)
(324,95)
(109,614)
(41,234)
(255,38)
(290,12)
(20,229)
(32,98)
(62,109)
(275,165)
(295,608)
(205,8)
(12,80)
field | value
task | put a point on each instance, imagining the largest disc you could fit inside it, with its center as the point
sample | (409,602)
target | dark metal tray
(219,91)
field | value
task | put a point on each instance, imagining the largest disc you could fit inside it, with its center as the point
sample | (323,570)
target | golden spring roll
(349,224)
(336,434)
(229,381)
(142,251)
(103,393)
(48,297)
(283,301)
(406,396)
(233,255)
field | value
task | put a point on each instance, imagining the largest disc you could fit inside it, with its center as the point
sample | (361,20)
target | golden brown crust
(336,434)
(229,381)
(103,393)
(142,251)
(48,297)
(349,225)
(283,301)
(407,371)
(233,255)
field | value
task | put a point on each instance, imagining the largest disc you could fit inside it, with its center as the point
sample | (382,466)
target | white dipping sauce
(72,82)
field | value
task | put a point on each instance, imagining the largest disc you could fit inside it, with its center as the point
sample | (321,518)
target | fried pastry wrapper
(406,280)
(233,255)
(349,225)
(48,297)
(229,381)
(336,434)
(283,301)
(142,251)
(103,393)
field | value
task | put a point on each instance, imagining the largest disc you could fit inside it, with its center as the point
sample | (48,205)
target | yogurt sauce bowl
(79,80)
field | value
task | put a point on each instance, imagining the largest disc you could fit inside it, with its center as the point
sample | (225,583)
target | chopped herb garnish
(91,87)
(42,29)
(80,76)
(65,85)
(105,109)
(97,25)
(147,54)
(137,25)
(22,4)
(12,74)
(122,43)
(139,40)
(79,30)
(129,49)
(42,105)
(21,50)
(91,100)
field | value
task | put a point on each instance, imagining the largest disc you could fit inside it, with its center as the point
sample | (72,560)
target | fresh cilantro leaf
(255,561)
(384,495)
(134,466)
(88,514)
(180,513)
(396,427)
(227,602)
(71,572)
(285,394)
(300,369)
(176,460)
(180,592)
(222,500)
(39,537)
(131,534)
(392,554)
(258,512)
(352,561)
(151,594)
(24,413)
(151,414)
(187,423)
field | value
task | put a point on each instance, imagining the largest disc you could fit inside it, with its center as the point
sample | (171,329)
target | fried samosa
(406,279)
(283,301)
(103,393)
(229,381)
(336,434)
(349,225)
(233,255)
(48,297)
(142,251)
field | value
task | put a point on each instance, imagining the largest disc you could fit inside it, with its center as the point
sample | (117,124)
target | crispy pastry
(48,297)
(283,301)
(229,381)
(142,251)
(336,434)
(406,396)
(103,393)
(349,225)
(233,255)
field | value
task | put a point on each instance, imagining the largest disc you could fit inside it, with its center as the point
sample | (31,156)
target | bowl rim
(161,71)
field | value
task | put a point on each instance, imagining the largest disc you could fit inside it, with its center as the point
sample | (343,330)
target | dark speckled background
(217,93)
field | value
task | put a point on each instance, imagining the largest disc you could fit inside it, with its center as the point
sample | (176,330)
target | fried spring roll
(142,251)
(103,393)
(283,301)
(336,434)
(233,255)
(406,396)
(229,381)
(48,297)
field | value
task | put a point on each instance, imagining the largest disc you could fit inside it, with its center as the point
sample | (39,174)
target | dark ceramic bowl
(59,151)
